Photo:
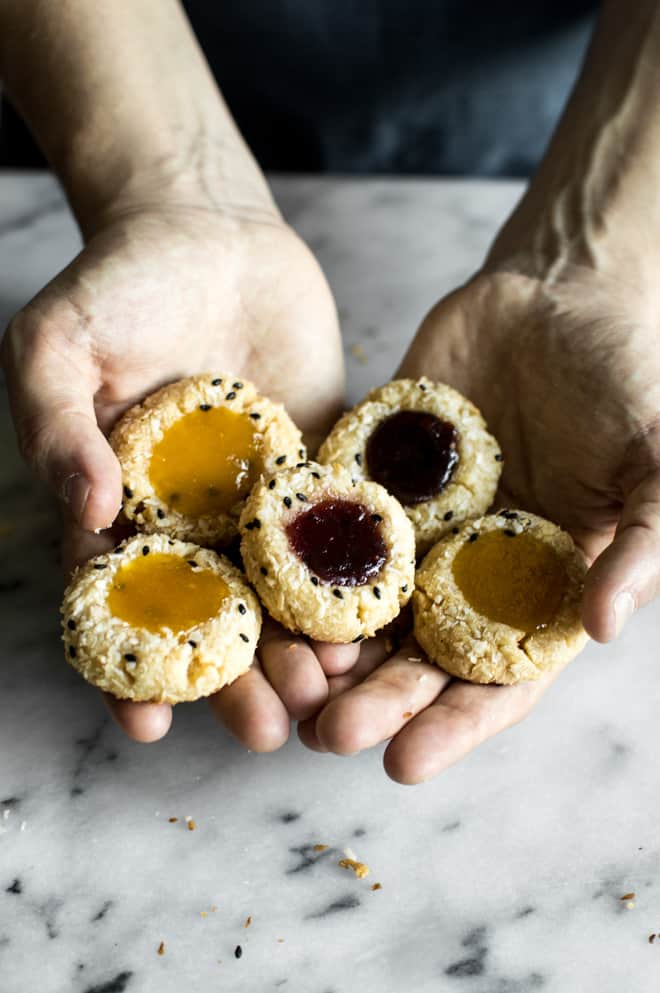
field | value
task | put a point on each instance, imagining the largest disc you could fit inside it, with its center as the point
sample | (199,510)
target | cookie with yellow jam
(191,452)
(427,445)
(160,620)
(499,600)
(329,557)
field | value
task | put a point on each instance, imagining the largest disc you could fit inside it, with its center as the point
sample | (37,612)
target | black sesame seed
(130,657)
(509,533)
(145,549)
(255,416)
(191,563)
(205,406)
(377,593)
(128,493)
(448,516)
(338,594)
(301,453)
(216,382)
(421,386)
(360,637)
(193,644)
(358,458)
(231,395)
(237,386)
(454,530)
(473,537)
(300,465)
(244,637)
(169,541)
(71,624)
(316,475)
(301,497)
(404,588)
(315,581)
(499,457)
(242,609)
(287,501)
(264,570)
(100,565)
(238,951)
(72,651)
(280,460)
(160,513)
(271,485)
(509,515)
(376,518)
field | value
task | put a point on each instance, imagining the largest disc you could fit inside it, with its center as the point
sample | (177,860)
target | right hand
(160,292)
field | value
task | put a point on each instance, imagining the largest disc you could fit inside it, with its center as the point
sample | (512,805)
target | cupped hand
(567,374)
(161,292)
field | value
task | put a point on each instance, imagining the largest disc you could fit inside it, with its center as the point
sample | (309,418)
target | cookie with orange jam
(191,452)
(427,445)
(499,600)
(160,620)
(329,557)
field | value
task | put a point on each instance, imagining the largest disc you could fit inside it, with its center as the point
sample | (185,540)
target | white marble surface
(502,876)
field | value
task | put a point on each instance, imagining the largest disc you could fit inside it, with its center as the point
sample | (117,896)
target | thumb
(626,576)
(52,403)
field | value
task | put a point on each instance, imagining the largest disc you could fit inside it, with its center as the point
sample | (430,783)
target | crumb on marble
(203,913)
(161,948)
(359,868)
(248,921)
(358,353)
(320,848)
(238,951)
(173,820)
(651,939)
(626,897)
(191,823)
(630,905)
(213,909)
(377,886)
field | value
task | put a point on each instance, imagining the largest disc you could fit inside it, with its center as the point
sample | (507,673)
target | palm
(171,293)
(569,387)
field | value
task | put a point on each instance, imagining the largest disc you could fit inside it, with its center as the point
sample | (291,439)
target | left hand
(567,375)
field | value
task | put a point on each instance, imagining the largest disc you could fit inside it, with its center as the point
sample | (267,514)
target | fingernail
(76,493)
(624,608)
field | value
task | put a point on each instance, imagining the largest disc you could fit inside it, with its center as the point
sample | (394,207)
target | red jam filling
(339,541)
(413,455)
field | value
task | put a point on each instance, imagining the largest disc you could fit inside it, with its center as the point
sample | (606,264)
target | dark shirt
(394,86)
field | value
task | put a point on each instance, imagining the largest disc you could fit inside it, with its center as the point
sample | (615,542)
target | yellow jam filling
(206,462)
(515,580)
(160,591)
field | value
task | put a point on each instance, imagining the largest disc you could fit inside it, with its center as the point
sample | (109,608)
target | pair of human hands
(566,377)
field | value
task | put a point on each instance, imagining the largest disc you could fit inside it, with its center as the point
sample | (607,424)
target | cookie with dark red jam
(428,446)
(330,557)
(191,452)
(500,600)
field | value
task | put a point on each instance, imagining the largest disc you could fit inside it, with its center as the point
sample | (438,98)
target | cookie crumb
(651,939)
(626,897)
(248,921)
(161,948)
(173,820)
(377,886)
(406,714)
(320,848)
(359,868)
(191,823)
(358,353)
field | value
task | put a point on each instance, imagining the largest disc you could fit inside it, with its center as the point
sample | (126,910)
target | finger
(627,574)
(79,545)
(144,722)
(463,716)
(377,708)
(373,653)
(252,711)
(335,659)
(293,670)
(52,403)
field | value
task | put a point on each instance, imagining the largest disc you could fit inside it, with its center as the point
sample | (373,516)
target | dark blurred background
(384,86)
